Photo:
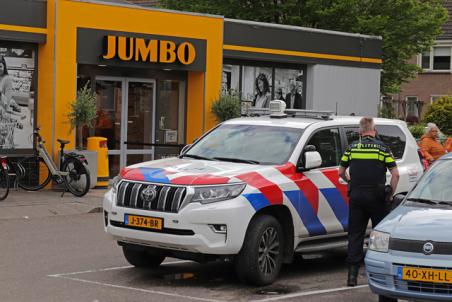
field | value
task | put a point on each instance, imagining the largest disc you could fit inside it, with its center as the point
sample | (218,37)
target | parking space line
(111,269)
(138,289)
(310,293)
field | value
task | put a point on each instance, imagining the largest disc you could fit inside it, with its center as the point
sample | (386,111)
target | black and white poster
(289,87)
(17,97)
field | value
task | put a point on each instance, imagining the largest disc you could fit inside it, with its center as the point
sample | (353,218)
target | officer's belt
(367,187)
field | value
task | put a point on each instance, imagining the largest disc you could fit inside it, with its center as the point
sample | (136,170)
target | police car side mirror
(312,159)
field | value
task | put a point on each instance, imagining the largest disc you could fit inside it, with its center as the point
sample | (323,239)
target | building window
(289,87)
(257,85)
(434,98)
(231,79)
(17,93)
(425,64)
(441,58)
(437,58)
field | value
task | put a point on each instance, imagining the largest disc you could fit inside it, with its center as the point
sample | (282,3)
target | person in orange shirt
(448,144)
(430,145)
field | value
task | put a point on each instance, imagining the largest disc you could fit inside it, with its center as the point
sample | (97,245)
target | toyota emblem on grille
(428,248)
(148,194)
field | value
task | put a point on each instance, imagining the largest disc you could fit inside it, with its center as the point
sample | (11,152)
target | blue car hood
(419,223)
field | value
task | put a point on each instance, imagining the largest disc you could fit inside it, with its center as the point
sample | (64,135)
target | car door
(323,202)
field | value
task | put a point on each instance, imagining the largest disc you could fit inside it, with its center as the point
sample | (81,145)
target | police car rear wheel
(141,258)
(260,258)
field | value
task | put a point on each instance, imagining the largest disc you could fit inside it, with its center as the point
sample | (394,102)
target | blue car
(410,251)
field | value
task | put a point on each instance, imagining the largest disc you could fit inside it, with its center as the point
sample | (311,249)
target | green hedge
(440,113)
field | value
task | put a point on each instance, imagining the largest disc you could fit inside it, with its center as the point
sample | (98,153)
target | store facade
(156,72)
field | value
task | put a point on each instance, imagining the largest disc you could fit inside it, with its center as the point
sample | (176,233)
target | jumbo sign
(148,50)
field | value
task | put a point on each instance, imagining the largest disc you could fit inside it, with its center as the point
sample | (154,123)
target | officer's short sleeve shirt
(368,161)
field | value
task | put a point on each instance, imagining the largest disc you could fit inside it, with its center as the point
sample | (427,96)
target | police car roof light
(277,109)
(316,114)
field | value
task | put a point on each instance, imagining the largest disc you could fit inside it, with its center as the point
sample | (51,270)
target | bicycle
(40,169)
(8,175)
(4,178)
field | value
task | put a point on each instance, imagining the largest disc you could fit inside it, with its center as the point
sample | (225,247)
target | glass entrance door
(140,113)
(126,114)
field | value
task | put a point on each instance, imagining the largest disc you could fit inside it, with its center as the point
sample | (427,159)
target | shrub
(417,130)
(440,113)
(226,107)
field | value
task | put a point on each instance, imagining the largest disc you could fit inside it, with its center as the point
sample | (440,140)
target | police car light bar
(277,109)
(316,114)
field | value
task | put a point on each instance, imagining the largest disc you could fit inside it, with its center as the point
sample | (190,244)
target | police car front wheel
(260,258)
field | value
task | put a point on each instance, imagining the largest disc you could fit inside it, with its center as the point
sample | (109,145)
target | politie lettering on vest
(148,50)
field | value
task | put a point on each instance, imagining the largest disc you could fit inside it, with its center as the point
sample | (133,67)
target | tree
(82,112)
(408,27)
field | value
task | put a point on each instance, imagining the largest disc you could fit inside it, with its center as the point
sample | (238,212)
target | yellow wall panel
(73,14)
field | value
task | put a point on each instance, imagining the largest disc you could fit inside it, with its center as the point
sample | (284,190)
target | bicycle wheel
(78,179)
(4,183)
(36,174)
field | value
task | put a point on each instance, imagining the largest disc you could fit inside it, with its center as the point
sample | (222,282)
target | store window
(328,144)
(289,87)
(17,93)
(231,79)
(257,85)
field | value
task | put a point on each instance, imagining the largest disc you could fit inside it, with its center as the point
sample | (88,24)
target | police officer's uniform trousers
(368,161)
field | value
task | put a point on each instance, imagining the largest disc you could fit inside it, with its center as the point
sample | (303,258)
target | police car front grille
(167,198)
(416,246)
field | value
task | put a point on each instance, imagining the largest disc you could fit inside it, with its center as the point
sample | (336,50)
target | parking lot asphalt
(54,249)
(22,204)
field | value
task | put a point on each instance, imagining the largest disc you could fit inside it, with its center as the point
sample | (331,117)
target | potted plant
(227,106)
(83,114)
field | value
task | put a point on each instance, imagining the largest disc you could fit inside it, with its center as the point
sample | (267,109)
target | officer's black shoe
(352,279)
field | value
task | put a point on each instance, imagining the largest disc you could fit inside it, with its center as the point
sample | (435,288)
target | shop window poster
(257,86)
(17,97)
(289,88)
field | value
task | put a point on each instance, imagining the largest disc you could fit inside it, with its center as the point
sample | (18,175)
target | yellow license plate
(426,275)
(143,222)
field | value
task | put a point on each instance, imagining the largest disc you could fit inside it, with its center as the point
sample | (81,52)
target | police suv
(253,190)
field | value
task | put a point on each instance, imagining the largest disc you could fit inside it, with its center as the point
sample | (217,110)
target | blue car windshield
(436,185)
(258,144)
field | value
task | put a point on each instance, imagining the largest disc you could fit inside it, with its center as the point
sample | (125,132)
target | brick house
(434,81)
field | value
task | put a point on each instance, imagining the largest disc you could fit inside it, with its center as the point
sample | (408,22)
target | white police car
(254,190)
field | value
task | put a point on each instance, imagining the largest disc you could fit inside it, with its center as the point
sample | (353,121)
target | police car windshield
(267,145)
(435,185)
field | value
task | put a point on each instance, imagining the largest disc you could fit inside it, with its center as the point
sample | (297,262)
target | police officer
(368,160)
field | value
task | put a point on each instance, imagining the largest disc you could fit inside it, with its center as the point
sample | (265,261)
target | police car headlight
(113,185)
(217,193)
(379,241)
